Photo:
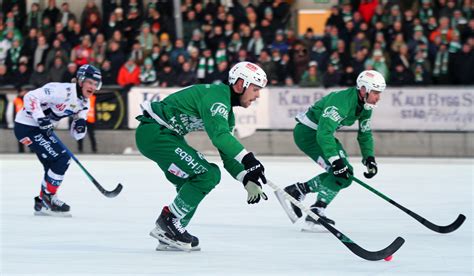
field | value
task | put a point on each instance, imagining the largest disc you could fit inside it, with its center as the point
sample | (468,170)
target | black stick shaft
(428,224)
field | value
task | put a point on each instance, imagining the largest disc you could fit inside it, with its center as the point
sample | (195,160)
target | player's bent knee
(60,164)
(211,178)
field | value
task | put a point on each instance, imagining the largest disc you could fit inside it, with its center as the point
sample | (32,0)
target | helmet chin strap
(368,106)
(79,91)
(235,97)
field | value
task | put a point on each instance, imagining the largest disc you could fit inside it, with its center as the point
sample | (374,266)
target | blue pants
(50,153)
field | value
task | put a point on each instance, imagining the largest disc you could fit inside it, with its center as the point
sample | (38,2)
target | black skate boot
(170,231)
(51,205)
(313,225)
(38,204)
(297,191)
(166,247)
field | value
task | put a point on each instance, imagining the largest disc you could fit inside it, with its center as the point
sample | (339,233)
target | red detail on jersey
(251,67)
(61,107)
(51,188)
(33,105)
(26,141)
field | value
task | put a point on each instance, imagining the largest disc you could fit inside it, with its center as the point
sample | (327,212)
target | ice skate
(51,205)
(166,247)
(169,230)
(298,192)
(312,225)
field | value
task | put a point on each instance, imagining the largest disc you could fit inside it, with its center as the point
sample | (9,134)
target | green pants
(193,176)
(326,184)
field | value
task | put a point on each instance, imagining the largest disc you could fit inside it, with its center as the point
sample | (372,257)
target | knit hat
(148,61)
(164,36)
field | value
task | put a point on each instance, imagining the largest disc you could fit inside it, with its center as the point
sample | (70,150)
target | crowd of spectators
(410,42)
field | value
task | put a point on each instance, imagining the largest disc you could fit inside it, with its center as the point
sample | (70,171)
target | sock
(180,208)
(325,185)
(51,183)
(314,183)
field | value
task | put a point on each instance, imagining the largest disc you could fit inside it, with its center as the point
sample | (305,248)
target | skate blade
(166,247)
(286,205)
(160,235)
(48,213)
(311,227)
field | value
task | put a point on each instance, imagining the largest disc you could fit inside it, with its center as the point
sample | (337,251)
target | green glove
(255,192)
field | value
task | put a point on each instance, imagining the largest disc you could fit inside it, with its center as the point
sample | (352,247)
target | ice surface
(110,236)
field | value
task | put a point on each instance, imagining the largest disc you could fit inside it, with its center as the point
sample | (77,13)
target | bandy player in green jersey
(314,135)
(160,137)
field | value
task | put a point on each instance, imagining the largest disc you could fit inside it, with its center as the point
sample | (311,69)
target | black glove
(45,126)
(80,126)
(340,169)
(254,168)
(372,170)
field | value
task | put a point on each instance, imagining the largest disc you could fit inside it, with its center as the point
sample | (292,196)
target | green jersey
(333,111)
(202,107)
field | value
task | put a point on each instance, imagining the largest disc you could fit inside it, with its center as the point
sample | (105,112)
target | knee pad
(210,179)
(60,164)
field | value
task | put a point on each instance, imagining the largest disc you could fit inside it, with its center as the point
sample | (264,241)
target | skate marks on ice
(166,247)
(111,236)
(49,213)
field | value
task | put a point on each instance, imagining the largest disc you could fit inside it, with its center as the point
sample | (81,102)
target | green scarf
(441,63)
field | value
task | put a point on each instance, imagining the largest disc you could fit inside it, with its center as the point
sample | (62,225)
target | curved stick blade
(361,252)
(448,228)
(114,192)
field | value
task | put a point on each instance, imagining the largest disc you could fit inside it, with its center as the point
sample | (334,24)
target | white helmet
(249,72)
(371,80)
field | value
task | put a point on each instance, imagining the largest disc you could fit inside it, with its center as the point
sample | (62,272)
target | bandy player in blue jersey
(43,108)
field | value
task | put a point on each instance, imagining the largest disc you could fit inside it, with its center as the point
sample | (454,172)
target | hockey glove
(372,170)
(78,129)
(80,126)
(45,126)
(340,169)
(255,170)
(254,192)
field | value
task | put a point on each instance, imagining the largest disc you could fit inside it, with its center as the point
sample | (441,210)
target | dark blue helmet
(88,71)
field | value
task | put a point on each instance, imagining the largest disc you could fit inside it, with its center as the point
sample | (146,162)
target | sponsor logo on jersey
(365,125)
(26,141)
(47,91)
(175,170)
(332,113)
(61,106)
(33,105)
(219,109)
(46,145)
(190,161)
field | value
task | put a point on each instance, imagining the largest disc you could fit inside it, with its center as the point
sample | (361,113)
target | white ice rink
(110,236)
